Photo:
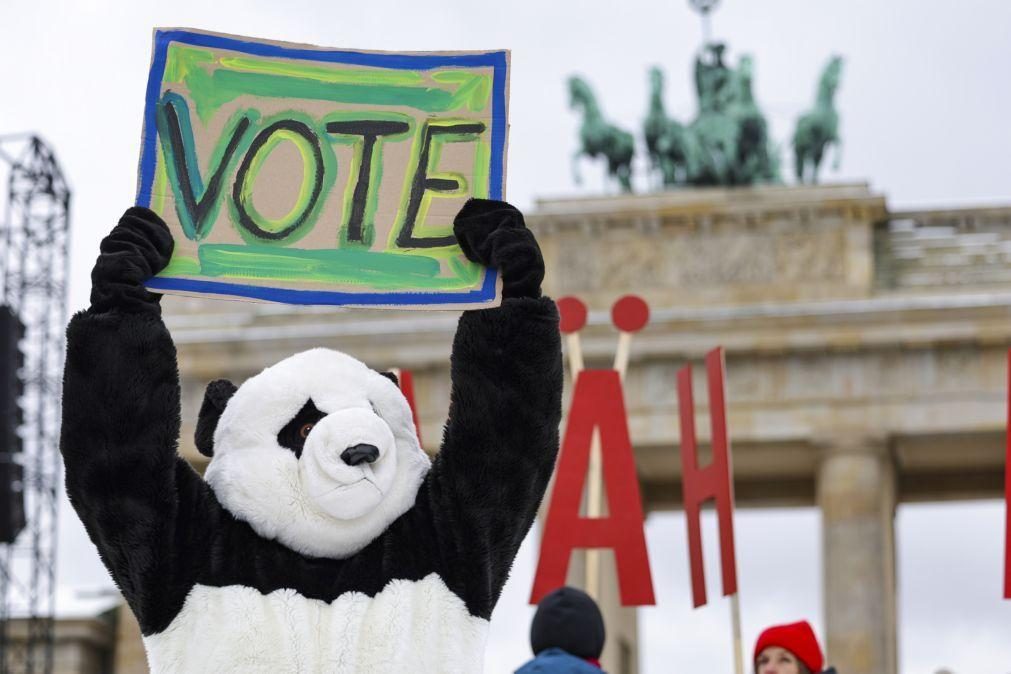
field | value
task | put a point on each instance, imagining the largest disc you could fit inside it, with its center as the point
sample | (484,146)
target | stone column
(857,496)
(129,657)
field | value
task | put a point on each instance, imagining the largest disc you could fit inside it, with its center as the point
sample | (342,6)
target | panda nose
(360,454)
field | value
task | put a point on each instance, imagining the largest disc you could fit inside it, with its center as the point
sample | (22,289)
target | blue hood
(557,661)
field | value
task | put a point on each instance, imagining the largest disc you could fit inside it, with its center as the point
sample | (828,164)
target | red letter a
(597,403)
(405,380)
(407,388)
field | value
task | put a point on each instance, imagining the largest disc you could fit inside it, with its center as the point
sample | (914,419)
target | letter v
(196,205)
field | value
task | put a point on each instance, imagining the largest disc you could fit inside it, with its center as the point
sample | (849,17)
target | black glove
(137,248)
(492,233)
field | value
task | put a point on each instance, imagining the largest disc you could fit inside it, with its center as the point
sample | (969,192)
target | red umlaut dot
(630,313)
(573,314)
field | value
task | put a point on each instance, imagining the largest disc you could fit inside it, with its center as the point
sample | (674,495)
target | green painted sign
(303,175)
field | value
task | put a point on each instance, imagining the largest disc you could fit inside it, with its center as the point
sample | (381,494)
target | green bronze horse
(819,128)
(671,148)
(598,137)
(757,158)
(656,121)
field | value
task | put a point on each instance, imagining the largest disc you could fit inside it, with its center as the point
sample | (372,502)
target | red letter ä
(597,403)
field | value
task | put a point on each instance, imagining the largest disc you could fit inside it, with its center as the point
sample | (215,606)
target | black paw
(138,247)
(493,234)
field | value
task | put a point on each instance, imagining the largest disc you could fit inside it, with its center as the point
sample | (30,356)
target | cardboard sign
(291,173)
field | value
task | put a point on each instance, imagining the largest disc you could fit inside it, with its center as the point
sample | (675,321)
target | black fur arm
(121,416)
(501,440)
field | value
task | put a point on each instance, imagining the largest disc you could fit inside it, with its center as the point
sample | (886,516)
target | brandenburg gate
(866,360)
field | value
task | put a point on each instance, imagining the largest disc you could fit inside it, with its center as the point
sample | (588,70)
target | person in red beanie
(788,649)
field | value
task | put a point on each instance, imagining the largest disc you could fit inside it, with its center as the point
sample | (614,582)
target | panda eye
(295,432)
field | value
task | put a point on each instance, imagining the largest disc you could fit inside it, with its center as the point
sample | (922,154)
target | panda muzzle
(361,453)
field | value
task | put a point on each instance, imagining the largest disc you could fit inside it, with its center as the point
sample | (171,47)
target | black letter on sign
(245,219)
(370,131)
(196,210)
(422,182)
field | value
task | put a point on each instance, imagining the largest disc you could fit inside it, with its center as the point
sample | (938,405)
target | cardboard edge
(313,47)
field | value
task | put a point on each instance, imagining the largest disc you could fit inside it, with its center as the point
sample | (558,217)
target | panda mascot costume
(322,538)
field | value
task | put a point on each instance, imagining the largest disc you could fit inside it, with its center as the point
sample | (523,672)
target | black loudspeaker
(12,387)
(12,499)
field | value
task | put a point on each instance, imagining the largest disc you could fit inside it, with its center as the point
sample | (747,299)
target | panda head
(318,452)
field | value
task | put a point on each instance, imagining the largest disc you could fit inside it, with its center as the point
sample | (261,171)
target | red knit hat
(798,638)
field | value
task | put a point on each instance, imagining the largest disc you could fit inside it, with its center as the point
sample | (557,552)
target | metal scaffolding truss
(34,228)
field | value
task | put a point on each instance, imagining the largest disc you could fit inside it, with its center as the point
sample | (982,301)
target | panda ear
(392,377)
(217,395)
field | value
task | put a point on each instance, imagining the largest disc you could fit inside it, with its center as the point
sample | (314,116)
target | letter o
(308,145)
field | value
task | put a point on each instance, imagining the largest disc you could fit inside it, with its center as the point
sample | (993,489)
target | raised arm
(501,441)
(121,416)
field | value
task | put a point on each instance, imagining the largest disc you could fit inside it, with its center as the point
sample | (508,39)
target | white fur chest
(410,626)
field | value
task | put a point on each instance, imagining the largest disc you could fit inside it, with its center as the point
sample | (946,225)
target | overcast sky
(925,107)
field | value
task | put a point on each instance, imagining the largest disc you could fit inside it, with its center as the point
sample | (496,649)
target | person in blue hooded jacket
(566,635)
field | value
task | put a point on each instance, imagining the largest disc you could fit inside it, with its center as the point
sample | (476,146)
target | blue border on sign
(290,296)
(496,60)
